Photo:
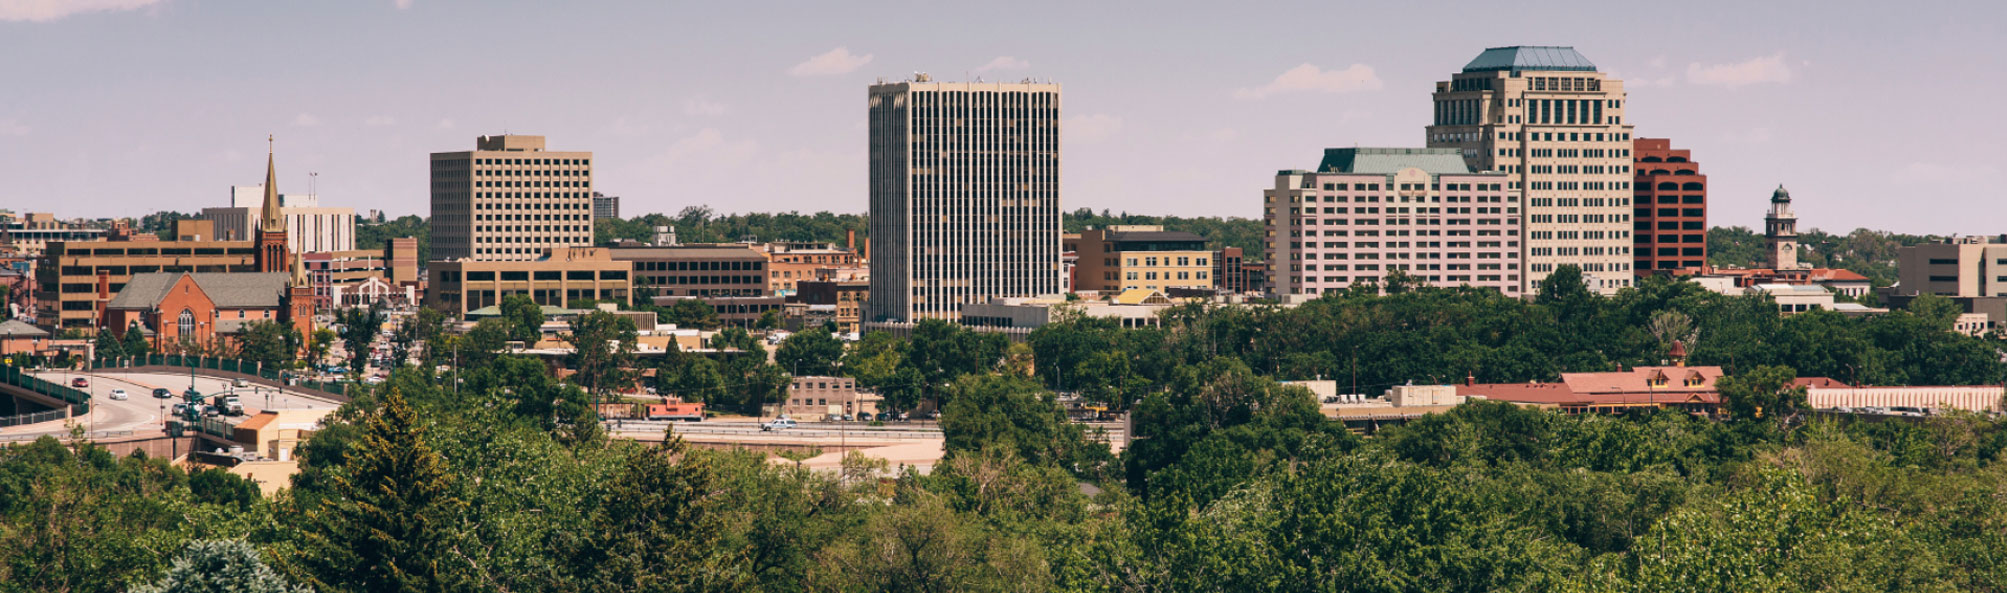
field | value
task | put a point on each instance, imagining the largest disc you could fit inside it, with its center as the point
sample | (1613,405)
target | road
(141,412)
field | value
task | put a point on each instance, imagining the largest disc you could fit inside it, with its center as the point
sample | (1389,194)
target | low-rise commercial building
(1148,257)
(818,398)
(1368,212)
(733,270)
(33,233)
(848,297)
(789,264)
(561,276)
(75,279)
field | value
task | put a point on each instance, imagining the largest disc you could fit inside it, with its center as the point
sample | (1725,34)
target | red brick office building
(1669,219)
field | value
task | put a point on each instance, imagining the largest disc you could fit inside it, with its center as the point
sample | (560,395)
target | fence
(80,402)
(57,414)
(229,365)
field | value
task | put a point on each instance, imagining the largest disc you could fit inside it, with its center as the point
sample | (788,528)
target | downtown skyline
(1186,114)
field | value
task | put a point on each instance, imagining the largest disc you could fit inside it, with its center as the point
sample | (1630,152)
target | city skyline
(682,105)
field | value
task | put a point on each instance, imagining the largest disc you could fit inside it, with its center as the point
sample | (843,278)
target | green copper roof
(1780,195)
(1530,57)
(1386,161)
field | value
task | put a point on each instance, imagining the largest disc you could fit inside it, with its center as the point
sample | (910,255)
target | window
(186,322)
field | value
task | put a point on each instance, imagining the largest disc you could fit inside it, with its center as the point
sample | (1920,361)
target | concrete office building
(1669,210)
(309,227)
(509,199)
(605,206)
(697,270)
(1122,257)
(1367,212)
(1961,267)
(964,195)
(1546,117)
(36,230)
(559,277)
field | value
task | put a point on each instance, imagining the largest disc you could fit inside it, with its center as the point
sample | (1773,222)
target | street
(141,412)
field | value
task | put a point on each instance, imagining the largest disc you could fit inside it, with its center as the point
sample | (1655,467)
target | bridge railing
(231,365)
(80,402)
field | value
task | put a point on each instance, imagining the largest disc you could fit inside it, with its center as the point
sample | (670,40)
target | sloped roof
(15,328)
(1141,296)
(228,290)
(1609,388)
(1387,161)
(1530,57)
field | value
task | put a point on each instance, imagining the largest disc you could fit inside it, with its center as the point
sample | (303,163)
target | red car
(80,382)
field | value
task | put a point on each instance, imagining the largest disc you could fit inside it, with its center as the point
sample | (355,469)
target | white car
(780,424)
(118,394)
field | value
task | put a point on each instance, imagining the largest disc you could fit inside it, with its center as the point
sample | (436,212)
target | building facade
(509,199)
(789,264)
(178,310)
(560,277)
(1123,257)
(1669,209)
(605,206)
(697,270)
(309,227)
(34,232)
(847,296)
(1962,267)
(1368,212)
(964,195)
(1548,119)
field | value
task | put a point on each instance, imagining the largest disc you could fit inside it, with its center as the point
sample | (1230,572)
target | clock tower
(1780,231)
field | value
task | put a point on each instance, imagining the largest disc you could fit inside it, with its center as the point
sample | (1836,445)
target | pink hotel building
(1366,212)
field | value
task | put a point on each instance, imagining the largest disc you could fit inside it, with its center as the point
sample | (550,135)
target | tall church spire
(271,219)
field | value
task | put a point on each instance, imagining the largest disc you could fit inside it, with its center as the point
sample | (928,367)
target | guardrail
(286,377)
(80,402)
(34,418)
(65,435)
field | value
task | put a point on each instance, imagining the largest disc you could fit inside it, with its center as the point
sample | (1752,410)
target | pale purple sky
(1879,114)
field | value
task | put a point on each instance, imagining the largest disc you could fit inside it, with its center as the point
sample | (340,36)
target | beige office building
(1555,126)
(510,200)
(964,195)
(555,279)
(1123,257)
(1960,267)
(309,227)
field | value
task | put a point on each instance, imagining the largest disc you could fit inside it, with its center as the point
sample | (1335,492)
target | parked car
(80,382)
(162,393)
(118,394)
(779,424)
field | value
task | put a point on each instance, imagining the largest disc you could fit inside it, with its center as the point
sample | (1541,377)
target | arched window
(186,322)
(1692,186)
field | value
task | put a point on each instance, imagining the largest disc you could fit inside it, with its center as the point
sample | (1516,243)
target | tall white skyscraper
(964,195)
(1555,125)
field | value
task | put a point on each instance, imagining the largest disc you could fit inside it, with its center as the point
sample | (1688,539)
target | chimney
(1470,379)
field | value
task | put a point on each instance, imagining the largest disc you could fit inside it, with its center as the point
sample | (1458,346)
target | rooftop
(1387,161)
(1549,58)
(259,290)
(1152,236)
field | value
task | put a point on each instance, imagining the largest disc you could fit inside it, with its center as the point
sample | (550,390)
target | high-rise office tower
(1549,120)
(1670,209)
(509,199)
(964,195)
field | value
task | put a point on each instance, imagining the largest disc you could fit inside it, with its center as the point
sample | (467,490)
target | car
(212,410)
(118,394)
(239,382)
(779,424)
(181,410)
(162,393)
(80,382)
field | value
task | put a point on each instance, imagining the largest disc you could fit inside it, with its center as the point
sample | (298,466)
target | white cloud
(444,124)
(1658,63)
(42,11)
(831,63)
(306,120)
(1307,77)
(1091,128)
(379,120)
(1004,63)
(403,4)
(9,127)
(1770,68)
(703,107)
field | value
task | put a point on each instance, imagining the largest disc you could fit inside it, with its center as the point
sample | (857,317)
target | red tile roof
(1642,385)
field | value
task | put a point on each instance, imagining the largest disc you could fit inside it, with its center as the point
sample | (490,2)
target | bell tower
(1780,231)
(273,252)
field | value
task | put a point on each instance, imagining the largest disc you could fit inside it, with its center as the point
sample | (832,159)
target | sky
(1886,115)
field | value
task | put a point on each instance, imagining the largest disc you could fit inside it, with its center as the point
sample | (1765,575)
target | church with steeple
(273,251)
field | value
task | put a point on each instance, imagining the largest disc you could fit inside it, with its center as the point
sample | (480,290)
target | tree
(388,518)
(135,341)
(524,316)
(1765,393)
(691,313)
(769,320)
(108,346)
(1014,414)
(602,353)
(221,566)
(358,331)
(318,346)
(810,352)
(272,344)
(656,528)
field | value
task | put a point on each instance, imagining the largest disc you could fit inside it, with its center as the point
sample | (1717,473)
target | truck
(230,405)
